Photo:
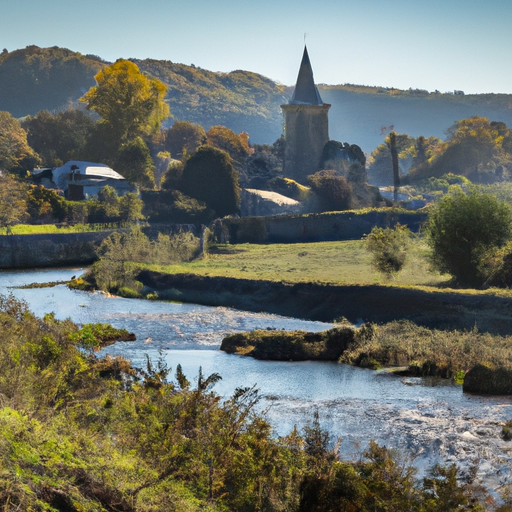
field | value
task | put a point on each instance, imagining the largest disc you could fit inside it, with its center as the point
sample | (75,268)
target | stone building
(306,126)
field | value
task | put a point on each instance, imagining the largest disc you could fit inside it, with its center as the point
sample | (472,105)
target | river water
(428,421)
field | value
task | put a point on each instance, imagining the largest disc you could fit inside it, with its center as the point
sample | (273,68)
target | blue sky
(445,45)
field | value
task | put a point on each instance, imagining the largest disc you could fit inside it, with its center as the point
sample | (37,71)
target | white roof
(60,174)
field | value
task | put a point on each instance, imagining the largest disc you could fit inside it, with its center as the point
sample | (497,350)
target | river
(428,421)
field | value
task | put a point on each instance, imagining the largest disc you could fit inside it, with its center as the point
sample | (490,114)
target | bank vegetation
(482,362)
(80,432)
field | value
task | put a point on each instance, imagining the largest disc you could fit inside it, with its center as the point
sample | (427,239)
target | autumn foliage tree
(183,138)
(479,149)
(128,101)
(13,201)
(15,153)
(132,107)
(237,146)
(475,148)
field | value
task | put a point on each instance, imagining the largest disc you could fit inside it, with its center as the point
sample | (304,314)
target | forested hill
(358,114)
(240,100)
(36,78)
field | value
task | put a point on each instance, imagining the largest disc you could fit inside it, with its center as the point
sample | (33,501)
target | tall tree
(58,137)
(134,163)
(13,201)
(128,101)
(462,228)
(474,148)
(394,162)
(237,146)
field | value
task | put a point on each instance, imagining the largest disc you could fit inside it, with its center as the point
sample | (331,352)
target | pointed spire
(305,90)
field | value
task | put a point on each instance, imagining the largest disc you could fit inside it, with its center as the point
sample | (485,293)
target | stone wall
(49,250)
(319,227)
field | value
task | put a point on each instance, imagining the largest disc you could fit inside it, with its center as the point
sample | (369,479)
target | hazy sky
(436,44)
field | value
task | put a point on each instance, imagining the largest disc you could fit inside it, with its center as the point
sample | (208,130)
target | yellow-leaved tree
(130,102)
(132,107)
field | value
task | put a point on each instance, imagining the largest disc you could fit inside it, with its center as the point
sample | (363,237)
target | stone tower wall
(306,133)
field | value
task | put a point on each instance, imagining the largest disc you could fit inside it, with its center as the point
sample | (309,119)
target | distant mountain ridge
(359,114)
(35,79)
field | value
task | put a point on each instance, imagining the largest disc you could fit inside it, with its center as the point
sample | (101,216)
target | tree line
(475,148)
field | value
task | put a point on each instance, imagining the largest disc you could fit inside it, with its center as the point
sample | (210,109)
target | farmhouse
(78,179)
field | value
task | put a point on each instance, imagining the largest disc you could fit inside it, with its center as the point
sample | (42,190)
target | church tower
(306,125)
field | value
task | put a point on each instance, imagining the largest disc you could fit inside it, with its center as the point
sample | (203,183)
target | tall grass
(428,351)
(120,253)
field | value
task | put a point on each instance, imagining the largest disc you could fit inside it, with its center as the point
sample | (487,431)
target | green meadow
(345,262)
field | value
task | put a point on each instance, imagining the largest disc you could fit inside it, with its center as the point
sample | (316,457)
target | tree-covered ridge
(35,79)
(360,114)
(241,100)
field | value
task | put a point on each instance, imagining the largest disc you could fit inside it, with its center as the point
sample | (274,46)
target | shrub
(116,270)
(44,203)
(388,247)
(462,228)
(210,177)
(333,192)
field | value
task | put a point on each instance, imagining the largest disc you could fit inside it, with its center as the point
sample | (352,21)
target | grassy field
(345,262)
(40,229)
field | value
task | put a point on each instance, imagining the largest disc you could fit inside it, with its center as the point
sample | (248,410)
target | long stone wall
(317,227)
(49,250)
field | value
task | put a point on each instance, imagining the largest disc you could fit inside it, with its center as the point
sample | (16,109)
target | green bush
(116,268)
(210,177)
(78,432)
(461,228)
(333,192)
(388,247)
